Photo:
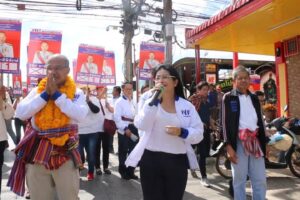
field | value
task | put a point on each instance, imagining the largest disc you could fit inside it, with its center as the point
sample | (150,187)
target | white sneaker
(205,182)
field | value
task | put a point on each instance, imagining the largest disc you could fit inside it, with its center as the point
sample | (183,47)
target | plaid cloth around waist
(250,142)
(35,148)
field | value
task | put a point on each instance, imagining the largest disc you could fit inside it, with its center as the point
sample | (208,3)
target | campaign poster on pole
(108,72)
(17,84)
(89,64)
(10,40)
(42,44)
(151,55)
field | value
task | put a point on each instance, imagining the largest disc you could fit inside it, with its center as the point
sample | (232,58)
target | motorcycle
(289,151)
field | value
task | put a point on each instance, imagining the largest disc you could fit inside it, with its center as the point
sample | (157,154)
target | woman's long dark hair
(173,72)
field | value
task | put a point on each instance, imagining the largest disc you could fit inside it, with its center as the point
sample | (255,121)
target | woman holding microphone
(171,124)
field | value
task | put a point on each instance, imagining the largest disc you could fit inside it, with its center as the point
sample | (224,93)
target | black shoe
(125,176)
(134,177)
(98,172)
(107,171)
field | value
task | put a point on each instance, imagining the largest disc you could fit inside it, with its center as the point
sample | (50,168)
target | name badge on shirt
(234,106)
(185,113)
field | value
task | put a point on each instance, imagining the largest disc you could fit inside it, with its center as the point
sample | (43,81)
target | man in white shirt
(106,70)
(42,56)
(89,67)
(49,148)
(151,62)
(6,49)
(124,114)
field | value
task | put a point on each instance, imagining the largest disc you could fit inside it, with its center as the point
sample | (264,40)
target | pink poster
(151,56)
(108,72)
(89,64)
(17,84)
(10,40)
(42,45)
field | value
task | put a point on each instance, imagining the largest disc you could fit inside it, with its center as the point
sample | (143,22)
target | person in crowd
(116,93)
(244,136)
(41,56)
(145,88)
(151,62)
(89,130)
(49,150)
(18,122)
(171,125)
(213,101)
(103,140)
(202,106)
(4,107)
(220,95)
(124,113)
(261,97)
(8,121)
(270,90)
(6,49)
(89,67)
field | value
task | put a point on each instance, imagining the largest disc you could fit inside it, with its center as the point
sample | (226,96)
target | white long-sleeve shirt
(146,120)
(93,122)
(75,109)
(124,108)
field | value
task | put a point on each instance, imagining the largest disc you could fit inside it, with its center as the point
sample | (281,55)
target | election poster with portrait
(89,64)
(42,45)
(108,72)
(10,40)
(151,55)
(17,84)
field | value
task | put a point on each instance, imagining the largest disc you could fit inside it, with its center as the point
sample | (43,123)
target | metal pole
(128,35)
(1,84)
(168,39)
(198,65)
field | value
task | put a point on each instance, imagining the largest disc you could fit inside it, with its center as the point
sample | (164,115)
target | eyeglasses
(57,68)
(166,77)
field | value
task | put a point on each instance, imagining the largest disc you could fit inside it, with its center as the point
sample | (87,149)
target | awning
(248,26)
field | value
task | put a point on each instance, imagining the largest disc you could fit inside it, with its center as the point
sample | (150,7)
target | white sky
(77,29)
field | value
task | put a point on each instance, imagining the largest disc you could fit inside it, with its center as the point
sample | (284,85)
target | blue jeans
(255,168)
(88,142)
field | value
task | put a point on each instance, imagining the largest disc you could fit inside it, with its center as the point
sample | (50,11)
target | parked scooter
(290,130)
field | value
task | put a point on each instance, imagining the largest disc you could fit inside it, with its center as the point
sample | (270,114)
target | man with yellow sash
(48,152)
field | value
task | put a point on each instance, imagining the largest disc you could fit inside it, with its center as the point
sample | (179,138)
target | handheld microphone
(155,96)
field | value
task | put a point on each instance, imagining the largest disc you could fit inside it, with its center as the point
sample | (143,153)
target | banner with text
(10,40)
(151,55)
(17,84)
(42,45)
(108,72)
(89,64)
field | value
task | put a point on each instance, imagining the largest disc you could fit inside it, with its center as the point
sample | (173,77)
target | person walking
(124,113)
(244,136)
(171,125)
(202,106)
(48,154)
(89,130)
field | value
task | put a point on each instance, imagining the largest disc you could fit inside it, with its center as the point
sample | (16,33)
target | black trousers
(163,175)
(103,140)
(3,146)
(18,125)
(203,150)
(126,145)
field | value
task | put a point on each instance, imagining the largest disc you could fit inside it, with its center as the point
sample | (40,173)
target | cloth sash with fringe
(35,148)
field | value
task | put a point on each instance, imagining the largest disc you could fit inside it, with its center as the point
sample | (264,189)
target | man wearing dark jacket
(244,135)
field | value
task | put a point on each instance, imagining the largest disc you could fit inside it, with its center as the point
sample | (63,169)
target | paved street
(281,185)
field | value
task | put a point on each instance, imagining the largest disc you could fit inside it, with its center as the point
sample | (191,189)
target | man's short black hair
(118,89)
(126,82)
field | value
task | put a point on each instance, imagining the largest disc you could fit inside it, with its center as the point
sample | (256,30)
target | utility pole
(128,35)
(168,30)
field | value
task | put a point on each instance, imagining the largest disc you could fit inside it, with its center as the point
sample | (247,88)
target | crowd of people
(65,128)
